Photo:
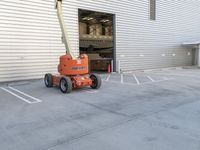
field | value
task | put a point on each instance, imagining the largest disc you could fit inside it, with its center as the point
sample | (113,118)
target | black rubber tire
(48,80)
(65,85)
(96,81)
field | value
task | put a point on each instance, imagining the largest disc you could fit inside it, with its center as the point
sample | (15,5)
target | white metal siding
(30,43)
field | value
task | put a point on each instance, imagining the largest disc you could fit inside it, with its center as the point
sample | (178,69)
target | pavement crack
(129,119)
(107,110)
(89,132)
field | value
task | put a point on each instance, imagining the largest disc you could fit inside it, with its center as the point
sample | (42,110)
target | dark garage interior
(96,39)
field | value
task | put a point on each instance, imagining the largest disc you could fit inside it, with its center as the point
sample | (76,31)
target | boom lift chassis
(73,71)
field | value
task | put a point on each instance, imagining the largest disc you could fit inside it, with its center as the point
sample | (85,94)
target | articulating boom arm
(58,6)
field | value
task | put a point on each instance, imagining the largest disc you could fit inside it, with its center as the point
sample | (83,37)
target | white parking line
(165,78)
(108,77)
(136,79)
(126,83)
(90,91)
(168,79)
(150,79)
(122,78)
(19,83)
(36,99)
(25,100)
(117,82)
(176,74)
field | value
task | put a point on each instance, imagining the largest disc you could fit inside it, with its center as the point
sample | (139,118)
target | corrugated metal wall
(30,42)
(29,39)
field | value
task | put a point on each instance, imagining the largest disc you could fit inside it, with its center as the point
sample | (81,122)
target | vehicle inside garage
(96,39)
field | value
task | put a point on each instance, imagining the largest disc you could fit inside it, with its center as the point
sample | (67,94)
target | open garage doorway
(97,40)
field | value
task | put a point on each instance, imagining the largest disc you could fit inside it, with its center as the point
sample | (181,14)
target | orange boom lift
(73,71)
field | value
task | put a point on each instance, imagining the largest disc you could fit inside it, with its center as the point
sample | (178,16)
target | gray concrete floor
(144,111)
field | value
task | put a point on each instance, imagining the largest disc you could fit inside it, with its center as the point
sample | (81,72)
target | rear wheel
(48,80)
(96,81)
(65,85)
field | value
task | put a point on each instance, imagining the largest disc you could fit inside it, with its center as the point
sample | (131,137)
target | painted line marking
(181,75)
(19,83)
(158,81)
(136,79)
(25,100)
(125,83)
(165,78)
(36,99)
(122,78)
(108,77)
(150,78)
(90,91)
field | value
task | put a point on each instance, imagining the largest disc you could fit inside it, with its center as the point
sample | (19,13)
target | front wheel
(96,81)
(65,85)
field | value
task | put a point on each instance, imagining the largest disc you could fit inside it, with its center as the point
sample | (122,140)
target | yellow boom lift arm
(65,39)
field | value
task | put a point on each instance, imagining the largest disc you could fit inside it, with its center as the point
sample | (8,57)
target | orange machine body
(76,69)
(69,67)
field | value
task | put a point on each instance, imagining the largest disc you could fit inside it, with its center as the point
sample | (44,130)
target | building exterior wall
(30,37)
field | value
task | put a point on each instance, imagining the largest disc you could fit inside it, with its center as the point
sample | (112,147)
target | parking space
(136,78)
(138,110)
(21,95)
